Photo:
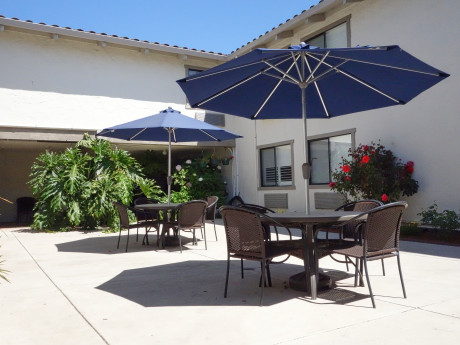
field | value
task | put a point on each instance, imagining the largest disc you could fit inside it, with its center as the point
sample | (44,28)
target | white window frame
(259,160)
(351,131)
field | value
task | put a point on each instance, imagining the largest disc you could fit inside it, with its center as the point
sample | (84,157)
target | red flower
(332,184)
(384,197)
(346,168)
(410,169)
(365,148)
(348,178)
(410,164)
(373,152)
(365,159)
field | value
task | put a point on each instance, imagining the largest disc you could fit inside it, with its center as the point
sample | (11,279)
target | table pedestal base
(299,283)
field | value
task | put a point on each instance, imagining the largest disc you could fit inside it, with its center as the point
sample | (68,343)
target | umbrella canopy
(167,126)
(304,81)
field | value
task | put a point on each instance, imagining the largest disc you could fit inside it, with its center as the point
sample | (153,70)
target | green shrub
(445,220)
(77,187)
(373,172)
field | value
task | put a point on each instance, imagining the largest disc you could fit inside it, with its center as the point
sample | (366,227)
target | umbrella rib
(383,65)
(135,135)
(359,81)
(264,71)
(191,78)
(229,88)
(276,87)
(281,71)
(315,83)
(209,135)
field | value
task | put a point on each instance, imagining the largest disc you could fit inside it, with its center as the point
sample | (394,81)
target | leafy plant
(373,172)
(445,220)
(77,187)
(197,179)
(2,271)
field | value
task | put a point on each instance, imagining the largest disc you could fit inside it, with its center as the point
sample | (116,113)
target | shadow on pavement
(201,283)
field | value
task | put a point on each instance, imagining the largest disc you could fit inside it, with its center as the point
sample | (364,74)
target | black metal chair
(379,240)
(246,241)
(211,211)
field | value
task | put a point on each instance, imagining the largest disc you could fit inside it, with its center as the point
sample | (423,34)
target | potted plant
(226,160)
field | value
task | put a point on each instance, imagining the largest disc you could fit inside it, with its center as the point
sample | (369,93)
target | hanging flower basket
(213,161)
(225,161)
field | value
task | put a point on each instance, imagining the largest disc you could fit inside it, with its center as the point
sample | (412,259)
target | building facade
(57,83)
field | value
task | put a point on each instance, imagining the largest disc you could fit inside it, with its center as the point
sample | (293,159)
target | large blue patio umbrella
(308,82)
(167,126)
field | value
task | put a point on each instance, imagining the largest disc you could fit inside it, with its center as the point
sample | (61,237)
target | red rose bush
(373,172)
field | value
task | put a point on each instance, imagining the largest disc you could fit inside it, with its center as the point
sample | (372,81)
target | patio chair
(190,216)
(211,211)
(125,223)
(262,210)
(246,241)
(149,217)
(350,231)
(379,240)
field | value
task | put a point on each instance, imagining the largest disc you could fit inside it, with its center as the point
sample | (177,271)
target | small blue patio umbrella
(304,81)
(167,126)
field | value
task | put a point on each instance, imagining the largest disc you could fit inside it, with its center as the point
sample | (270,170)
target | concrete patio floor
(77,288)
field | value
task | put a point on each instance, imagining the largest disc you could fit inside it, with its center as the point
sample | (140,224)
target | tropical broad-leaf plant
(76,188)
(374,172)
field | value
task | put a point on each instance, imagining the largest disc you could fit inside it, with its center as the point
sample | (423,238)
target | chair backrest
(244,231)
(360,206)
(382,228)
(192,213)
(256,208)
(122,214)
(140,201)
(211,208)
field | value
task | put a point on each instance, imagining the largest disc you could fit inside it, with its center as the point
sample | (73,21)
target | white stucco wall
(68,84)
(424,130)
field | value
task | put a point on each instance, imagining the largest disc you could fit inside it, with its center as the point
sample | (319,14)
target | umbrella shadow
(201,283)
(108,245)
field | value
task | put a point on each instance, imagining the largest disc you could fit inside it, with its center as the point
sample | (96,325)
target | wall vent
(213,118)
(275,201)
(328,200)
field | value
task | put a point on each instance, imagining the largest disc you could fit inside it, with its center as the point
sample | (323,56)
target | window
(335,37)
(190,71)
(326,155)
(276,166)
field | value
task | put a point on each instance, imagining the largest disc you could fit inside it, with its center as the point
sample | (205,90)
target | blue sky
(211,25)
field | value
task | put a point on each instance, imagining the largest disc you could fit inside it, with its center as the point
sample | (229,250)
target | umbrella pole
(169,178)
(306,165)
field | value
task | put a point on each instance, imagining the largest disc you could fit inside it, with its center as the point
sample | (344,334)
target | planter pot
(214,161)
(225,161)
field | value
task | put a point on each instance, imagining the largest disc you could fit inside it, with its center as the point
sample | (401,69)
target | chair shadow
(108,245)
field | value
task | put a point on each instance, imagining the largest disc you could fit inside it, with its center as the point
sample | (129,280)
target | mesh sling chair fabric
(190,216)
(125,223)
(211,211)
(379,240)
(245,236)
